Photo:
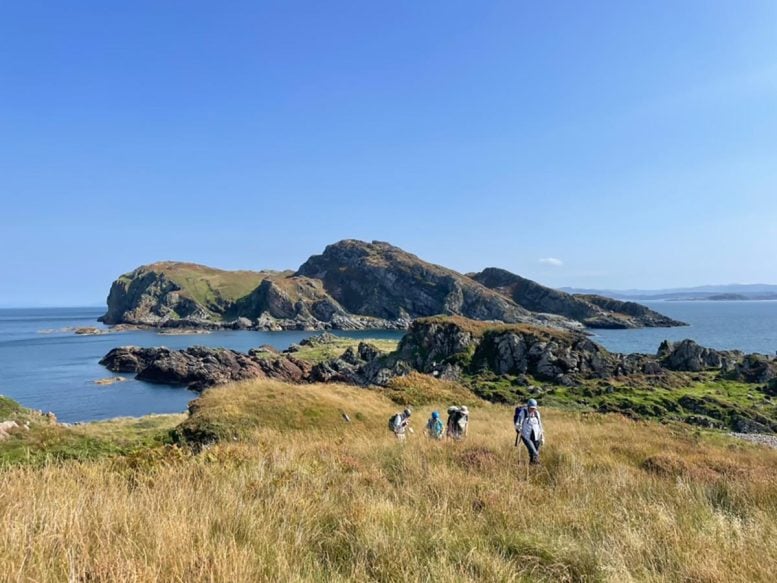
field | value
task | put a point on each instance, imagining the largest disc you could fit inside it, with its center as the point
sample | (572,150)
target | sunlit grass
(303,494)
(333,348)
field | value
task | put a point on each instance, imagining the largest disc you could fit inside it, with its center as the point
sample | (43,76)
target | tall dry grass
(614,500)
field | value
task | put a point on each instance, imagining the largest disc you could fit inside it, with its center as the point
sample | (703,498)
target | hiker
(528,426)
(399,423)
(458,422)
(434,427)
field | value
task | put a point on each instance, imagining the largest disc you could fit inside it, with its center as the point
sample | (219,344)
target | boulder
(6,428)
(754,368)
(689,356)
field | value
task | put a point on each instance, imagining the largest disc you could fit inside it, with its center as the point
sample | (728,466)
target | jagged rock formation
(450,346)
(352,285)
(687,355)
(380,280)
(754,368)
(593,311)
(200,367)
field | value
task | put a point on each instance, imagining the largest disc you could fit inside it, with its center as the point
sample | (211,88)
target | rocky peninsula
(352,285)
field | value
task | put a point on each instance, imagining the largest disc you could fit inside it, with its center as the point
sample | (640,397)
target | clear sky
(598,144)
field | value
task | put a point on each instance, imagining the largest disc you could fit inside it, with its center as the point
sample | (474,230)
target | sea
(44,365)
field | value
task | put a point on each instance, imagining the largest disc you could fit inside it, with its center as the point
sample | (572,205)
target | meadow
(291,491)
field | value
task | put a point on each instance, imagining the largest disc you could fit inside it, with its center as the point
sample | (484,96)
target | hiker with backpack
(399,423)
(434,427)
(528,426)
(458,422)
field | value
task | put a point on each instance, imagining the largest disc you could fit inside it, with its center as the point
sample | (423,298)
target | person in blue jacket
(434,426)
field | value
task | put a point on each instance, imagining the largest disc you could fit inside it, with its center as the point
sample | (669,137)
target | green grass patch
(47,442)
(317,353)
(213,288)
(709,402)
(9,409)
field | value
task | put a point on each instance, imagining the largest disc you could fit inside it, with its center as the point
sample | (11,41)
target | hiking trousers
(533,445)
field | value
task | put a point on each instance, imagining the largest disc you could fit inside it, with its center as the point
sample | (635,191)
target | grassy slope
(44,443)
(479,328)
(211,287)
(303,495)
(720,400)
(317,353)
(10,410)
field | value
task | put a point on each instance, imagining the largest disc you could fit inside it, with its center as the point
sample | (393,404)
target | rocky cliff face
(378,279)
(147,296)
(592,311)
(352,285)
(182,295)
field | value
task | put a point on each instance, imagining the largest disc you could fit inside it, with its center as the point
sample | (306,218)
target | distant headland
(354,285)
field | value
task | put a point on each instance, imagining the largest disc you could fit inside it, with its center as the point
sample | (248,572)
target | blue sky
(616,145)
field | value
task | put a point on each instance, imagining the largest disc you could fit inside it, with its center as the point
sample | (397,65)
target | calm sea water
(748,326)
(44,366)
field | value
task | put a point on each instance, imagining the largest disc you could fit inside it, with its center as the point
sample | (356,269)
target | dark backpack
(395,422)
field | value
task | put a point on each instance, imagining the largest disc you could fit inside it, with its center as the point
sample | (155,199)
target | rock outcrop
(449,347)
(200,367)
(352,285)
(443,346)
(689,356)
(7,428)
(380,280)
(593,311)
(754,368)
(149,296)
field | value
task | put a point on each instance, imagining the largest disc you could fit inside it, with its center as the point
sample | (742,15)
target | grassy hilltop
(293,492)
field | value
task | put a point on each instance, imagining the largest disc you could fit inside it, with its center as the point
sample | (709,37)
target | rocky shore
(460,349)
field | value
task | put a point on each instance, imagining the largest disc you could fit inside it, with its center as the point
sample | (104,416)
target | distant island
(354,285)
(732,298)
(730,293)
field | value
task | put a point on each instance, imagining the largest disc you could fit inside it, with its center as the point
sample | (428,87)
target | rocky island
(353,285)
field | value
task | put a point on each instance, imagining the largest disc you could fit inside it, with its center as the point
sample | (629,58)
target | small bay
(45,365)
